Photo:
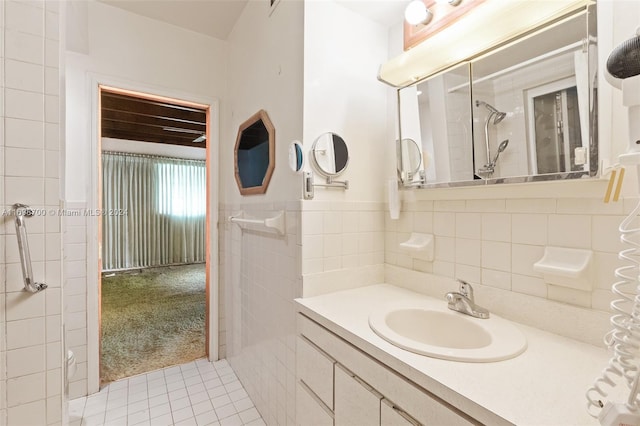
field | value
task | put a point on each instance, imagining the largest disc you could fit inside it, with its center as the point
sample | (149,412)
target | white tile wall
(31,361)
(260,277)
(496,242)
(75,309)
(341,235)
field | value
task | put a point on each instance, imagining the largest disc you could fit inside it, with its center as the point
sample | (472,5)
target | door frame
(97,83)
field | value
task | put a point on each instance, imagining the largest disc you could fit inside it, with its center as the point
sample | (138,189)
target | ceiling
(216,18)
(146,120)
(385,12)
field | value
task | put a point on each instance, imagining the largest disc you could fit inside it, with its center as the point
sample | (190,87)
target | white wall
(265,72)
(31,338)
(142,53)
(342,53)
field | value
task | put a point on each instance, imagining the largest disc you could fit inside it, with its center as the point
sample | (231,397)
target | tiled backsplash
(496,242)
(341,235)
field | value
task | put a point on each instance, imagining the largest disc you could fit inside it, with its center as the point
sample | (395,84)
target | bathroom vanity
(348,375)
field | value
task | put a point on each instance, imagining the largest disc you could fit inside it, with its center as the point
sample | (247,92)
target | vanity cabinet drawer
(418,402)
(357,403)
(309,408)
(315,369)
(390,415)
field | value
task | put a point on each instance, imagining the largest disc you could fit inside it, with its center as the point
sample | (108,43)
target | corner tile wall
(31,351)
(75,292)
(495,242)
(261,276)
(259,270)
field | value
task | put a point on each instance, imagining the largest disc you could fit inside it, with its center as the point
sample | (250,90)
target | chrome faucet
(463,301)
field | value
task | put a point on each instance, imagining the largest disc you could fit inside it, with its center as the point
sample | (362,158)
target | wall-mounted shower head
(498,116)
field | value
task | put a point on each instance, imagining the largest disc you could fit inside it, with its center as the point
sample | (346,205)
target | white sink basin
(443,333)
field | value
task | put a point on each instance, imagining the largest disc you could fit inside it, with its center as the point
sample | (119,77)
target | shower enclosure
(556,131)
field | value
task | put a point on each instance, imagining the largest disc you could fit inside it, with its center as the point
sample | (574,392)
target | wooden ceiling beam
(153,108)
(152,138)
(152,122)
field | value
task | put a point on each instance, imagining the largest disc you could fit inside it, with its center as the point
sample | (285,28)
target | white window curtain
(154,211)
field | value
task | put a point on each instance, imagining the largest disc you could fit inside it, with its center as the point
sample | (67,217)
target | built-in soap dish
(419,246)
(566,267)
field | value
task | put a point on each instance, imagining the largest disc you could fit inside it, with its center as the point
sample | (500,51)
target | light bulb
(417,13)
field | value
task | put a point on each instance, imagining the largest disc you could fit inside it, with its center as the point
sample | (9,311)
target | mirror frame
(590,18)
(271,130)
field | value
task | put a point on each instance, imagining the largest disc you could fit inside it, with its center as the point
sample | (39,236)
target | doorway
(162,269)
(554,127)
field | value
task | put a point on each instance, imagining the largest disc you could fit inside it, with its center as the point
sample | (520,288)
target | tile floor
(197,393)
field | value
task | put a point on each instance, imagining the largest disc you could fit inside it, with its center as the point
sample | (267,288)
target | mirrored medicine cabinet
(524,111)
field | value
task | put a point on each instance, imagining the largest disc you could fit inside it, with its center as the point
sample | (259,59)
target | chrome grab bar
(21,212)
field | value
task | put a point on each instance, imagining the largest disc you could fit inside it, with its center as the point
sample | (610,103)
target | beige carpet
(151,319)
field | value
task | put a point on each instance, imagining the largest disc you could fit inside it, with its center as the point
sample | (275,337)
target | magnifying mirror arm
(335,183)
(407,179)
(309,185)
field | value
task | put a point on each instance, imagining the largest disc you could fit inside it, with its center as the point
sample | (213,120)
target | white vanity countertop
(546,385)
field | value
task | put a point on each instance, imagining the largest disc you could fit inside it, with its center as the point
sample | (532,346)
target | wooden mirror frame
(443,16)
(264,117)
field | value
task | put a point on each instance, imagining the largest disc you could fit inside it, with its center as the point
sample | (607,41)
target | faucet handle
(465,289)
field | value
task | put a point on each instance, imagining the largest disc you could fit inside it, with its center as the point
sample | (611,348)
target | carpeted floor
(152,319)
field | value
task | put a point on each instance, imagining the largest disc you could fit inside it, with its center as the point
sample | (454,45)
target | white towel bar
(277,222)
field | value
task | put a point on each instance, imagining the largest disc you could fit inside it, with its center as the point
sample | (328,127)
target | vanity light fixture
(417,13)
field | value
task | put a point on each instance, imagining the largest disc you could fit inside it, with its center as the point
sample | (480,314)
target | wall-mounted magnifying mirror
(409,159)
(255,154)
(330,154)
(525,111)
(296,158)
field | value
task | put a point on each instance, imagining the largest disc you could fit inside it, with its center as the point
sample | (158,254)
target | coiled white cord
(624,338)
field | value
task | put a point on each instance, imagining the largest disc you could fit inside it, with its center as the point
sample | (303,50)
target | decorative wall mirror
(254,154)
(330,154)
(523,112)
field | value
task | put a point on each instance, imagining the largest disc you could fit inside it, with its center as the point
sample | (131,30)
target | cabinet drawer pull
(362,383)
(404,415)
